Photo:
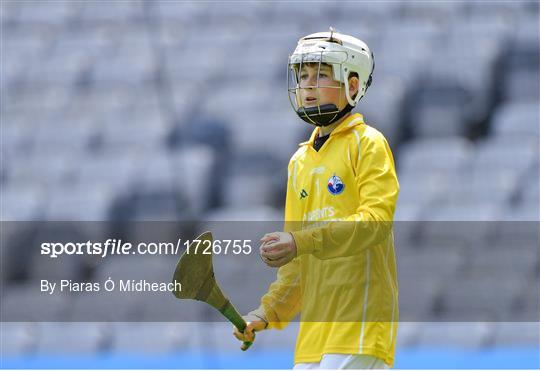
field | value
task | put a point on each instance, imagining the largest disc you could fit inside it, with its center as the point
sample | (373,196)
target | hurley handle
(232,315)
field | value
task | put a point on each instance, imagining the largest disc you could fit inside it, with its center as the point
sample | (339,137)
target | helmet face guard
(345,54)
(318,115)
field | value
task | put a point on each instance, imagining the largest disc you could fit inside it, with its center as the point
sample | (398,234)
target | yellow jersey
(343,282)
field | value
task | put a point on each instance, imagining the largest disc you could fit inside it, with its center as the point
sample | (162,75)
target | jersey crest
(335,185)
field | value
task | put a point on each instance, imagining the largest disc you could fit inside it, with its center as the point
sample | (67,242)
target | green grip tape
(230,312)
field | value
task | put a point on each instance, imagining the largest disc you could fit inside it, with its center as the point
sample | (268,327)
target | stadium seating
(178,111)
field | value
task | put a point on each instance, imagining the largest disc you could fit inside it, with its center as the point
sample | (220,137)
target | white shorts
(344,362)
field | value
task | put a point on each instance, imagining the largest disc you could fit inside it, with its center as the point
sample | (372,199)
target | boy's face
(329,91)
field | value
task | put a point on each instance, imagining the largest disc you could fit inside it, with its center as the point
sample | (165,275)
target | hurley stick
(195,273)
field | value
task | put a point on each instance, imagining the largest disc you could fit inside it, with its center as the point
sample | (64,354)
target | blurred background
(178,111)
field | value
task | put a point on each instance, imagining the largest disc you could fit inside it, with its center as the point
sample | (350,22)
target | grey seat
(520,66)
(44,168)
(505,153)
(59,70)
(134,64)
(77,134)
(71,338)
(288,128)
(529,306)
(261,119)
(104,306)
(531,194)
(421,276)
(113,170)
(423,186)
(193,63)
(418,296)
(117,12)
(90,202)
(22,202)
(523,85)
(459,223)
(141,130)
(253,180)
(484,186)
(408,332)
(480,297)
(245,190)
(516,119)
(18,135)
(17,249)
(388,92)
(441,155)
(408,210)
(17,338)
(510,260)
(525,212)
(180,12)
(158,169)
(495,9)
(518,228)
(442,108)
(256,214)
(26,303)
(461,335)
(431,11)
(41,100)
(495,173)
(192,175)
(426,168)
(36,12)
(411,43)
(444,260)
(517,334)
(152,337)
(156,194)
(463,212)
(381,11)
(473,45)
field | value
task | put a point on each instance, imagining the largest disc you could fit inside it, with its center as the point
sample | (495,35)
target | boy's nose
(311,82)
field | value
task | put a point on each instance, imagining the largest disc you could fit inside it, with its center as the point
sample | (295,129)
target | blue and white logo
(335,185)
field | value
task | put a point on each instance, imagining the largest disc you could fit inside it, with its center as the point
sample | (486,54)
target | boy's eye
(305,76)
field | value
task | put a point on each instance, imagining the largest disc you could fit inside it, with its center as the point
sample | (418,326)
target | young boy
(336,257)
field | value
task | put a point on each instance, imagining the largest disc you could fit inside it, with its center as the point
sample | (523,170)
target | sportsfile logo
(121,247)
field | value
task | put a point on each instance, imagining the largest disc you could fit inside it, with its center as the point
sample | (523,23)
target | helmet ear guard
(370,78)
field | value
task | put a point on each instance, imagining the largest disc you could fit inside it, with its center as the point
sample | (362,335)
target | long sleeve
(378,189)
(282,302)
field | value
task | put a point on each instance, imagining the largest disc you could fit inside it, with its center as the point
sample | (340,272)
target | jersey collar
(353,120)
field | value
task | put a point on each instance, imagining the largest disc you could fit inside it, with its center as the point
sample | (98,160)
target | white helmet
(346,55)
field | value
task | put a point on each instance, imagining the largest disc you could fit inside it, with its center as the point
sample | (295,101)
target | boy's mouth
(308,101)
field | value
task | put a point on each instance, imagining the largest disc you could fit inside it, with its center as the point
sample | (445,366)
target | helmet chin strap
(322,115)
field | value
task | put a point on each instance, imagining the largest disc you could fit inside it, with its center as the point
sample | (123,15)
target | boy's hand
(277,249)
(249,332)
